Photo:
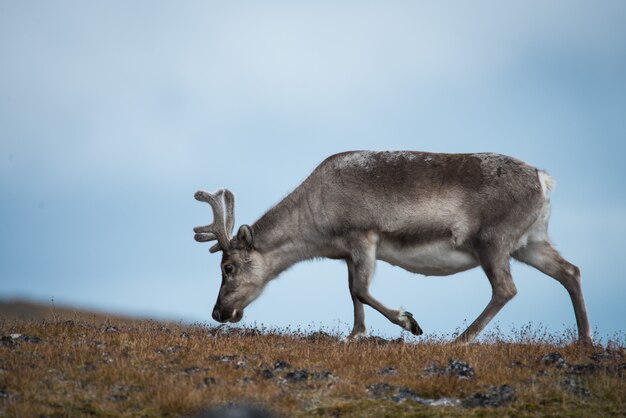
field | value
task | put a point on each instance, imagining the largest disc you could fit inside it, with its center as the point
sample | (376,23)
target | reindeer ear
(244,236)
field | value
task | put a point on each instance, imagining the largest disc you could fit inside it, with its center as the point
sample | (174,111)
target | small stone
(31,339)
(232,410)
(281,365)
(388,371)
(267,374)
(192,370)
(498,396)
(304,375)
(222,359)
(111,329)
(405,394)
(10,340)
(460,369)
(7,341)
(401,394)
(456,368)
(184,335)
(322,375)
(298,375)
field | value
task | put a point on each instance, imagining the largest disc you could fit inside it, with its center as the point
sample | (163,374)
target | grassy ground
(77,365)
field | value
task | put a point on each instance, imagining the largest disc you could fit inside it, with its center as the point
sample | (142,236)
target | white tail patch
(548,183)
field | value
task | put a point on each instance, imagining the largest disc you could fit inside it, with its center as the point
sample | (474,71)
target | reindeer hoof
(410,324)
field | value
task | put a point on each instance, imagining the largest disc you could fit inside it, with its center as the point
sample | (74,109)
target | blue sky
(112,114)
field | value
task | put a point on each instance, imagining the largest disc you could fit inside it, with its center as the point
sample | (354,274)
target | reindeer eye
(228,269)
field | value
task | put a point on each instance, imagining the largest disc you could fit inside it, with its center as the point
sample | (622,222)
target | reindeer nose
(216,314)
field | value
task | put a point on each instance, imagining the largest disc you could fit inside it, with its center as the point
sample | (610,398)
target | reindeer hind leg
(546,259)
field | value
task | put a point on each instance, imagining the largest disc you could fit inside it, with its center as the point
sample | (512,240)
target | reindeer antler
(223,204)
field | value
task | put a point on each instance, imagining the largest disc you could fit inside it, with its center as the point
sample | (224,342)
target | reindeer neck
(284,235)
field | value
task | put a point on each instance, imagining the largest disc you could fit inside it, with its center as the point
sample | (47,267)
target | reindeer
(433,214)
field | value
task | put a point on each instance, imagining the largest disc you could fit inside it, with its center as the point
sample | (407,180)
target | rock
(553,359)
(7,341)
(111,329)
(281,365)
(405,394)
(401,394)
(297,375)
(235,411)
(184,335)
(387,371)
(267,374)
(456,368)
(11,340)
(443,402)
(322,375)
(498,396)
(30,339)
(460,369)
(305,375)
(193,369)
(222,359)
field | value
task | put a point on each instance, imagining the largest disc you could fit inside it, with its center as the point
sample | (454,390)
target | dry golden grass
(87,366)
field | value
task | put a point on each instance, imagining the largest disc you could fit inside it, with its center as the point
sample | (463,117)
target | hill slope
(86,365)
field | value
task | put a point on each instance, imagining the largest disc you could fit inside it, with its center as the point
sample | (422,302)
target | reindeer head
(242,265)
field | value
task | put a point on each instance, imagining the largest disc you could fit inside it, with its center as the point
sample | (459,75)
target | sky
(112,114)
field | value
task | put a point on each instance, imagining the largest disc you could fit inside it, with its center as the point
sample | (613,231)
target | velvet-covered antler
(223,204)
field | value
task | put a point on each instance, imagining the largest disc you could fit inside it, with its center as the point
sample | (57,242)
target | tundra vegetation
(76,364)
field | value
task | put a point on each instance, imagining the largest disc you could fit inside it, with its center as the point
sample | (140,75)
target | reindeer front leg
(359,329)
(361,265)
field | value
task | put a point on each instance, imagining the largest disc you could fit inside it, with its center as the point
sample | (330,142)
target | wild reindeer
(433,214)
